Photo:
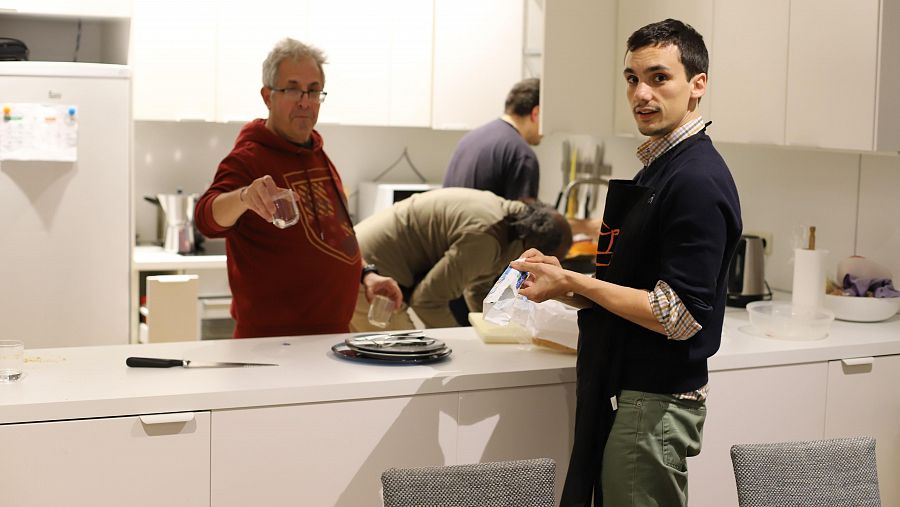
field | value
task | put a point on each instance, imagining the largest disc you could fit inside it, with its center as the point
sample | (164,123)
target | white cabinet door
(88,8)
(379,60)
(518,423)
(637,13)
(245,35)
(773,404)
(477,59)
(173,54)
(577,83)
(863,401)
(113,461)
(327,453)
(823,109)
(748,72)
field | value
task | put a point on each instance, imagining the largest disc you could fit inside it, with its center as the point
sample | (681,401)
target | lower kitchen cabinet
(863,401)
(160,460)
(771,404)
(327,453)
(518,423)
(334,453)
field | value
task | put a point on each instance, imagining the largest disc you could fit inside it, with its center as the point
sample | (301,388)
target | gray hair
(295,50)
(542,227)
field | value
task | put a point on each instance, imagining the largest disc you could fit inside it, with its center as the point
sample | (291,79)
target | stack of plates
(392,348)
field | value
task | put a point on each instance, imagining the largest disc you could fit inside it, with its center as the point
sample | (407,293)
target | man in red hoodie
(302,279)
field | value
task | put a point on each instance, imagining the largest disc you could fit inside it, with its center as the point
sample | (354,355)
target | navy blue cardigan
(691,230)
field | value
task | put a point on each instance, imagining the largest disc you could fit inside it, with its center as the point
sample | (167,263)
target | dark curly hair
(542,227)
(694,56)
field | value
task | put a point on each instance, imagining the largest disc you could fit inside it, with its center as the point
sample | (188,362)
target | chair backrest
(524,483)
(820,473)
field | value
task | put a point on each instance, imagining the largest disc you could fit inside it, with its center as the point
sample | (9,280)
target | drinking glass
(12,357)
(380,311)
(286,211)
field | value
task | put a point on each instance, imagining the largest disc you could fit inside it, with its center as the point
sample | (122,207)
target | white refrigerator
(65,203)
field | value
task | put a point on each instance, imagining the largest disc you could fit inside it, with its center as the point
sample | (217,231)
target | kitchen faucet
(563,197)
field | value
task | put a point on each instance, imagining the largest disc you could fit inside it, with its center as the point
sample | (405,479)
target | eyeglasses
(296,94)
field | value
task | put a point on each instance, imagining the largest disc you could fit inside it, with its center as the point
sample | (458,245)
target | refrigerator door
(65,252)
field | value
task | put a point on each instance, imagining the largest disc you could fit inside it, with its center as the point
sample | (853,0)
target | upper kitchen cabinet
(173,49)
(478,50)
(576,86)
(379,61)
(206,63)
(842,85)
(245,35)
(637,13)
(81,8)
(747,72)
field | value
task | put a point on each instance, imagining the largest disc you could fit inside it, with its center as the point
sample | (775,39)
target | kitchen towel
(809,280)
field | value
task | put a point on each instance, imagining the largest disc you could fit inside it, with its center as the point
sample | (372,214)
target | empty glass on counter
(12,358)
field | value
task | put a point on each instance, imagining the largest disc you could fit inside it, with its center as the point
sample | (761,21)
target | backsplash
(849,197)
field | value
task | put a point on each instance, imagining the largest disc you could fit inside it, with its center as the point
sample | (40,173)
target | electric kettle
(179,212)
(746,281)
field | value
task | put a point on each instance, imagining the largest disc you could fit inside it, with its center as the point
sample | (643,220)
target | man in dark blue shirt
(497,156)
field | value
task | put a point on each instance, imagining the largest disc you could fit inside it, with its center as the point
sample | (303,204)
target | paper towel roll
(809,279)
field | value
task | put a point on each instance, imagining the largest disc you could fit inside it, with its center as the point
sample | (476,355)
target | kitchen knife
(154,362)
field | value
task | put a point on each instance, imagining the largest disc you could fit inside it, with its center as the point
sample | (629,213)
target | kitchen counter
(154,258)
(80,382)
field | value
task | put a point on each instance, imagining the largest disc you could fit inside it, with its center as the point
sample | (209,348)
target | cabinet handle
(177,417)
(858,361)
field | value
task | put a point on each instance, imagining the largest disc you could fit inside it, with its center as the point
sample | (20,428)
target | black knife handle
(152,362)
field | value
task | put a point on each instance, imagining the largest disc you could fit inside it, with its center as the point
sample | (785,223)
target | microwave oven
(373,197)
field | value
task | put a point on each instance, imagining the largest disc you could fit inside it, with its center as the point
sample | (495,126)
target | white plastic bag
(553,324)
(503,303)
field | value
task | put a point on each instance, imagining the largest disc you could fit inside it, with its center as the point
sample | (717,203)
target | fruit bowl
(862,309)
(780,320)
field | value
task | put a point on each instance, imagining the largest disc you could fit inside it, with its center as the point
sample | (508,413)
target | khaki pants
(645,461)
(400,321)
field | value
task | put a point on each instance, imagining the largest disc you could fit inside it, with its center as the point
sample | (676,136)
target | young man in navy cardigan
(653,312)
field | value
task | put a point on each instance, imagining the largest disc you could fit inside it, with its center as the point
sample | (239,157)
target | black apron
(600,340)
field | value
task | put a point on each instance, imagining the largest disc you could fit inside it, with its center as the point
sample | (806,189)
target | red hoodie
(295,281)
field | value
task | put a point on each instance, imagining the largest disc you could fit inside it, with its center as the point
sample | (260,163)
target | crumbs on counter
(39,359)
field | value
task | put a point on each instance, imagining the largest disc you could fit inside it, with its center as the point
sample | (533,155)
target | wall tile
(783,190)
(878,236)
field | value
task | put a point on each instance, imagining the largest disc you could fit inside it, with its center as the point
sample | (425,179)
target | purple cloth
(879,287)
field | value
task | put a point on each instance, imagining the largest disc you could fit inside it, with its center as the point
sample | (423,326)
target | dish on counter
(780,320)
(862,309)
(343,351)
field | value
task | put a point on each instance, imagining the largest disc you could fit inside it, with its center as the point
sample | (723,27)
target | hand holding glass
(380,311)
(12,357)
(286,211)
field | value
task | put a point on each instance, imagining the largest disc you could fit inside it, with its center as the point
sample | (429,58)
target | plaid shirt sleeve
(671,313)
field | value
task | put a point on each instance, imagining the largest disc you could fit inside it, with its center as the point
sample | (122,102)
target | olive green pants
(645,462)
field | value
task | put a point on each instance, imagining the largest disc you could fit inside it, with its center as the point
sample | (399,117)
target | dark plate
(396,345)
(344,352)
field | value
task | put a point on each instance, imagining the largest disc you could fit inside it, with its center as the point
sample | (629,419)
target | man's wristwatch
(368,268)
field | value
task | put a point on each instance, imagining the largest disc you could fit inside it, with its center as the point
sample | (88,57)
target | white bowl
(862,309)
(780,320)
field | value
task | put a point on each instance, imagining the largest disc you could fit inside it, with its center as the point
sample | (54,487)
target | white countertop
(82,382)
(153,258)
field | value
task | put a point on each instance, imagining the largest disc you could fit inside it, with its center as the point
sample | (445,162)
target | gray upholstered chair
(819,473)
(525,483)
